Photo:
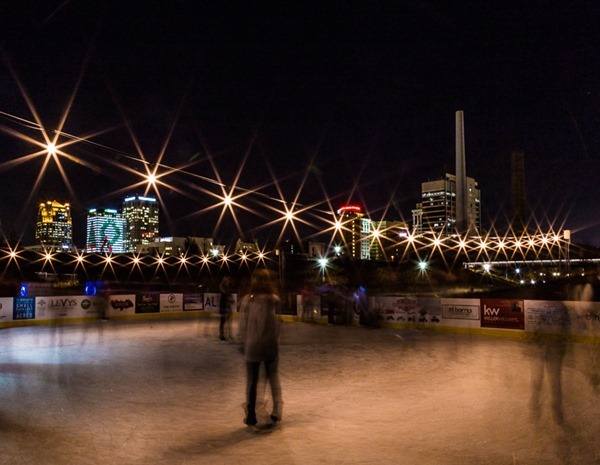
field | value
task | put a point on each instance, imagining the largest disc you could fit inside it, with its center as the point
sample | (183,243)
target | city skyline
(313,105)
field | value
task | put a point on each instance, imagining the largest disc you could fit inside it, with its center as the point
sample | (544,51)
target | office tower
(436,213)
(105,231)
(54,227)
(354,229)
(385,239)
(141,221)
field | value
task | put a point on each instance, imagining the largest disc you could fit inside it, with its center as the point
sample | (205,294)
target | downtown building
(141,221)
(366,239)
(105,232)
(354,230)
(436,212)
(386,238)
(54,226)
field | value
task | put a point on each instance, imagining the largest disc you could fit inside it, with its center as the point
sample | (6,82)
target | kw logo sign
(502,313)
(490,311)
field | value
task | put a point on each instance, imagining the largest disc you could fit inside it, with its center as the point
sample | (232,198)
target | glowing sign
(350,209)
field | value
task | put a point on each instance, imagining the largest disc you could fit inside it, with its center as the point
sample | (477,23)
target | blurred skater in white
(550,342)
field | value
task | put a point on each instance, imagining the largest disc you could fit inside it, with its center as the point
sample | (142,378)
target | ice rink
(169,392)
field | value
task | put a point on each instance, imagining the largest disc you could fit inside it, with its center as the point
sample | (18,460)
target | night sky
(347,101)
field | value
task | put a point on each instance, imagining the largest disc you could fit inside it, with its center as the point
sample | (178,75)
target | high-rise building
(385,239)
(54,228)
(141,218)
(354,229)
(436,213)
(105,231)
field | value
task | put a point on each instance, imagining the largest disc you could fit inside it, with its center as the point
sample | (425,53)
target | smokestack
(517,161)
(461,176)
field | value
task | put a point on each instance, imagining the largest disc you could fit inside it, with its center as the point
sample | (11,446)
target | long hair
(262,282)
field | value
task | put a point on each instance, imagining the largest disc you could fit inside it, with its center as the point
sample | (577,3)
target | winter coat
(259,327)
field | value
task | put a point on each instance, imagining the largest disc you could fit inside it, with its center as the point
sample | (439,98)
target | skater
(308,304)
(332,302)
(365,315)
(225,308)
(549,352)
(259,334)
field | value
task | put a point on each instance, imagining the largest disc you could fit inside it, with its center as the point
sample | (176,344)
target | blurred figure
(344,304)
(308,303)
(332,302)
(365,316)
(259,334)
(225,309)
(585,293)
(550,345)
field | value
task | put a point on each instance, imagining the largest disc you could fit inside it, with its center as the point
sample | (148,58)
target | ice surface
(169,392)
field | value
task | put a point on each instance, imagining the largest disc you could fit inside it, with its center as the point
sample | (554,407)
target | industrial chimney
(519,207)
(461,175)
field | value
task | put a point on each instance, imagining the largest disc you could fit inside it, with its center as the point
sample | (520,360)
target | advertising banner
(431,310)
(147,303)
(64,307)
(461,313)
(502,313)
(192,302)
(171,303)
(121,305)
(547,317)
(24,308)
(212,301)
(585,317)
(394,309)
(6,309)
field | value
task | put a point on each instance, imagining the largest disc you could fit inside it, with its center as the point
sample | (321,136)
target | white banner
(121,305)
(212,301)
(65,307)
(171,303)
(424,310)
(461,313)
(6,309)
(581,318)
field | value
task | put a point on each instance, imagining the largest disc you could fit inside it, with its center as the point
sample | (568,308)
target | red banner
(502,313)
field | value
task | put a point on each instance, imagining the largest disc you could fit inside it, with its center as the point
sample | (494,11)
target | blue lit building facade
(105,231)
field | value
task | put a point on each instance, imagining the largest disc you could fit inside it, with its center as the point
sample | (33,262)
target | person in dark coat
(225,308)
(259,334)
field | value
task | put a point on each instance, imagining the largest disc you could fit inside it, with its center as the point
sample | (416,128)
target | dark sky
(341,100)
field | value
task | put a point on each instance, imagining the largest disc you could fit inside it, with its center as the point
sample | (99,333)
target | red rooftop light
(350,208)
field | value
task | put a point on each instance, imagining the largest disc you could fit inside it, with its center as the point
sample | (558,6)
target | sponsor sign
(406,309)
(193,302)
(24,308)
(6,309)
(68,307)
(396,309)
(147,303)
(121,305)
(585,317)
(211,302)
(547,317)
(456,309)
(171,303)
(502,313)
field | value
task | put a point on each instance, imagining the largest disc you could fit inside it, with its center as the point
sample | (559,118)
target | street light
(323,264)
